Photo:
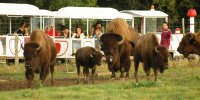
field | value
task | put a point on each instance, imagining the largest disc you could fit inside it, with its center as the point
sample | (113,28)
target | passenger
(78,33)
(26,30)
(49,30)
(64,31)
(20,30)
(97,29)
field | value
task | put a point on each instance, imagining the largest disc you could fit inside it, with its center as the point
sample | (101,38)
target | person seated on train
(20,30)
(97,30)
(26,30)
(50,31)
(78,33)
(64,31)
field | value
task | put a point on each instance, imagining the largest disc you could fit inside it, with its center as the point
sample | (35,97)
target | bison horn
(121,40)
(91,55)
(156,49)
(22,46)
(110,60)
(38,48)
(192,36)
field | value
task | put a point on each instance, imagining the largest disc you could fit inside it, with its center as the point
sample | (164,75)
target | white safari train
(12,14)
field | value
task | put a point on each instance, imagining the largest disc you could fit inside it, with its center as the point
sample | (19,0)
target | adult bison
(190,44)
(117,44)
(40,56)
(153,55)
(87,57)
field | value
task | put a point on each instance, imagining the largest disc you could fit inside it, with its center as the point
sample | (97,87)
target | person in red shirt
(49,30)
(165,35)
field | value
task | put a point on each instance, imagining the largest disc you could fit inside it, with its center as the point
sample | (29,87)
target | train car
(85,17)
(11,15)
(40,19)
(151,21)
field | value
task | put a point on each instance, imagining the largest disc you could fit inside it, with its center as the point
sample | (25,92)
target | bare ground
(11,85)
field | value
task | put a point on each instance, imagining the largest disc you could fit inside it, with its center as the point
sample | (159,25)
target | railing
(65,47)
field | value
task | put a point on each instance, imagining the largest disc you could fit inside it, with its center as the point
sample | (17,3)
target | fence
(177,23)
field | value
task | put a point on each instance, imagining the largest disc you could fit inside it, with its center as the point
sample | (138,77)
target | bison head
(188,45)
(161,58)
(110,45)
(96,57)
(31,50)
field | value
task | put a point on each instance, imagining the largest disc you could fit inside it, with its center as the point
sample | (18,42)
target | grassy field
(180,82)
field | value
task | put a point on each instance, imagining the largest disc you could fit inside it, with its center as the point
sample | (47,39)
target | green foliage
(175,8)
(57,4)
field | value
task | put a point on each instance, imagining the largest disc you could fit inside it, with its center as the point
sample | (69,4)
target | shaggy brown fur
(121,27)
(116,44)
(148,51)
(40,56)
(190,44)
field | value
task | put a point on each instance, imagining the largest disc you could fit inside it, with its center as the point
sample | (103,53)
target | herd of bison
(118,43)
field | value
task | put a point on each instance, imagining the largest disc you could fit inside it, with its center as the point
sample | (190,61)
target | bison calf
(148,51)
(87,57)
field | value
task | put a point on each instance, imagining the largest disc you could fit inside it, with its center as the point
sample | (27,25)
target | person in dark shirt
(165,35)
(97,29)
(64,31)
(20,30)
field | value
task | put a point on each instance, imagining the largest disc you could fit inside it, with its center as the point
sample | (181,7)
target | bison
(190,44)
(153,55)
(117,44)
(40,56)
(87,57)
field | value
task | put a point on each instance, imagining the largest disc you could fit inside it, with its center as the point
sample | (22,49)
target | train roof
(13,9)
(90,13)
(146,13)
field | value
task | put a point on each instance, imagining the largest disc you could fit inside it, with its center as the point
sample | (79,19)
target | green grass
(180,82)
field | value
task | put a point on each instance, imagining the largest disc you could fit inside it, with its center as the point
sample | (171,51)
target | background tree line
(175,8)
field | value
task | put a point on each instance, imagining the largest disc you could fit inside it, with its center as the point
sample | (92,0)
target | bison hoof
(112,78)
(78,82)
(86,82)
(122,79)
(127,78)
(93,82)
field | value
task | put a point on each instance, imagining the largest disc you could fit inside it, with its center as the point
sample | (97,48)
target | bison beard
(40,56)
(148,51)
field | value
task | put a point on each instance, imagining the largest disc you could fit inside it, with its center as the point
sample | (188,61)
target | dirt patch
(10,85)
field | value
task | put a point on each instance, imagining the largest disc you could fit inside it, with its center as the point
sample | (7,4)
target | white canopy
(90,12)
(147,14)
(11,9)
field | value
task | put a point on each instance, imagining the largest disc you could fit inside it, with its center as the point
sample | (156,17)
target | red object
(177,30)
(58,47)
(165,38)
(50,33)
(192,13)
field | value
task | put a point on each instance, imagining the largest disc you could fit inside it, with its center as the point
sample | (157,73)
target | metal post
(133,21)
(191,24)
(31,24)
(183,26)
(16,50)
(70,27)
(10,23)
(87,27)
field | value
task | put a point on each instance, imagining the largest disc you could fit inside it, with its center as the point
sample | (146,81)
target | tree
(57,4)
(167,6)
